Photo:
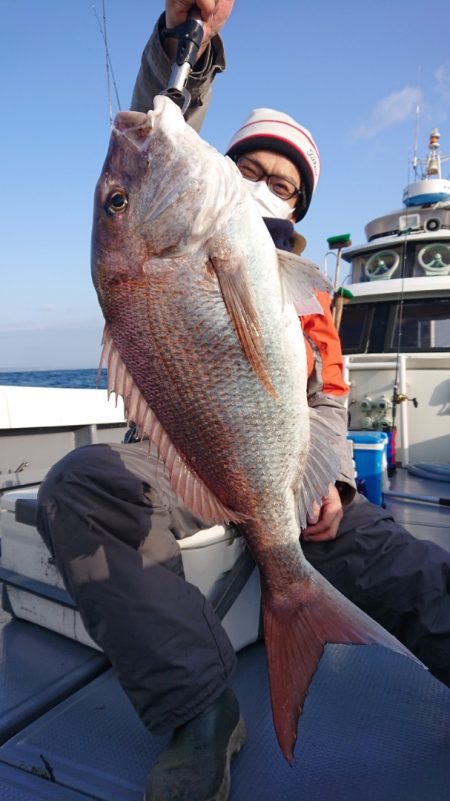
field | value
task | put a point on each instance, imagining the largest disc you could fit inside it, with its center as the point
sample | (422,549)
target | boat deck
(375,724)
(425,520)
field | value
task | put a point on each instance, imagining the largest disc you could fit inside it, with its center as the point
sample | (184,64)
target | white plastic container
(207,557)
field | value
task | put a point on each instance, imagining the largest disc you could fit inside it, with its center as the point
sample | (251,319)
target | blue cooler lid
(368,437)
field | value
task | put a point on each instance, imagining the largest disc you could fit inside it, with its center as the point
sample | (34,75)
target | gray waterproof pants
(111,520)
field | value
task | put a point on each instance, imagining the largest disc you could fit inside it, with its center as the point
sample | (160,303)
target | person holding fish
(250,428)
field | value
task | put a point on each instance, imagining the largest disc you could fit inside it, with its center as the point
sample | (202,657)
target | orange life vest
(323,344)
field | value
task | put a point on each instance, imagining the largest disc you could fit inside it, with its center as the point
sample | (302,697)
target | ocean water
(72,379)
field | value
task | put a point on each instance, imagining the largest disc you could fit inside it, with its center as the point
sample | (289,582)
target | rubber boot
(195,766)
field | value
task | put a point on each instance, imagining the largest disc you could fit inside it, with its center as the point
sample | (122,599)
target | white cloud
(390,110)
(442,78)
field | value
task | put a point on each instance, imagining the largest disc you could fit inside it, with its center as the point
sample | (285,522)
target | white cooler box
(33,588)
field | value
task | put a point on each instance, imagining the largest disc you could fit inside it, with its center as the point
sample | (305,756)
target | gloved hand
(214,14)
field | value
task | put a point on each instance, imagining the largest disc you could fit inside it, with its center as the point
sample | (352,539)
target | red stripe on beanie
(280,122)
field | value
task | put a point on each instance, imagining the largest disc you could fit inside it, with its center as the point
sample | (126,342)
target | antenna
(108,64)
(416,131)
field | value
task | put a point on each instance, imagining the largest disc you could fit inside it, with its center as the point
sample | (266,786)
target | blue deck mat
(15,785)
(376,727)
(37,669)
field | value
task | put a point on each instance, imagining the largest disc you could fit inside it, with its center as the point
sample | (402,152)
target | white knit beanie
(267,129)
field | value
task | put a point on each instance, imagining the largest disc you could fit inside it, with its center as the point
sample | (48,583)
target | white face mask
(269,205)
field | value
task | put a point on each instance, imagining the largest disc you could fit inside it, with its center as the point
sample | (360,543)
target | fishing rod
(419,498)
(398,393)
(190,36)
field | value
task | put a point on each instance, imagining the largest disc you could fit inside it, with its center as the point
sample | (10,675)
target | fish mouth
(131,119)
(135,126)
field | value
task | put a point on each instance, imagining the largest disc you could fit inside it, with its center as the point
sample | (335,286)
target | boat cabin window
(428,257)
(421,325)
(385,327)
(356,326)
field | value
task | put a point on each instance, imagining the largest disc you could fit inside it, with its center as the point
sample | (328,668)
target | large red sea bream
(202,340)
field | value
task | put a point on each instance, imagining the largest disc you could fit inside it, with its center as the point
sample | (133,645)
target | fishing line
(109,68)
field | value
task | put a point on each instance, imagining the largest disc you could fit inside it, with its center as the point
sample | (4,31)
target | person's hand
(214,14)
(324,522)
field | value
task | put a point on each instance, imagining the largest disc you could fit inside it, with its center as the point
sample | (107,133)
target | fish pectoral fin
(236,295)
(189,487)
(300,280)
(297,627)
(321,468)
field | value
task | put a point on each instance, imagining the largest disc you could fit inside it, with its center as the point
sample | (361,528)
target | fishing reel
(400,398)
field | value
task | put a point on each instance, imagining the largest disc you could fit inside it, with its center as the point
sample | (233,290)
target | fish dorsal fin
(193,492)
(235,290)
(322,466)
(300,280)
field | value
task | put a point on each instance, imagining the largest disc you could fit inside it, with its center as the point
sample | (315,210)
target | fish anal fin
(322,466)
(296,630)
(235,290)
(189,487)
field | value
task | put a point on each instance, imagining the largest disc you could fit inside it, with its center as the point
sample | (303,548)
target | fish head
(132,192)
(118,202)
(162,192)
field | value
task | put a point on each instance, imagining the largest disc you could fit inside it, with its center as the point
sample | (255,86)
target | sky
(350,72)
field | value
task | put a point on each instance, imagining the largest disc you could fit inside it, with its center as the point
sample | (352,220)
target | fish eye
(117,202)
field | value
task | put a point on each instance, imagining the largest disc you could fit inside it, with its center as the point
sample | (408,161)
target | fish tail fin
(296,630)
